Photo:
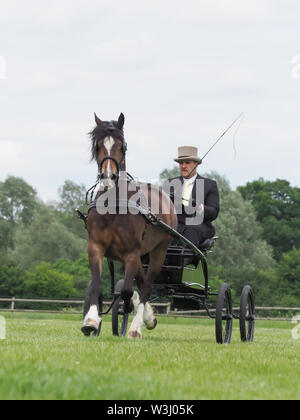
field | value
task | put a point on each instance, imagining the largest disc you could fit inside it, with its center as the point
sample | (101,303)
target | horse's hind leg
(148,315)
(157,259)
(94,296)
(144,310)
(135,330)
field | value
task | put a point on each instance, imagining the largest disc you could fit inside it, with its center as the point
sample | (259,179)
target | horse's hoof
(90,326)
(128,307)
(151,326)
(134,335)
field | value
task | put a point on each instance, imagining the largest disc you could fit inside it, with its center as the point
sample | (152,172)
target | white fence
(163,308)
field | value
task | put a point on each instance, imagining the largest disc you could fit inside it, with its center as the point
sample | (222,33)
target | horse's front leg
(94,295)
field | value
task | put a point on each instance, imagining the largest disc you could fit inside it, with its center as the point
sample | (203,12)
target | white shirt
(188,189)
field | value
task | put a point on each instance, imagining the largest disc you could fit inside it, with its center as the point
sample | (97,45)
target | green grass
(47,357)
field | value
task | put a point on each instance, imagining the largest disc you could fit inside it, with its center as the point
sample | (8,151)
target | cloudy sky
(181,72)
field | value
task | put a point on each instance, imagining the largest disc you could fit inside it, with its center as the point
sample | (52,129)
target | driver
(198,198)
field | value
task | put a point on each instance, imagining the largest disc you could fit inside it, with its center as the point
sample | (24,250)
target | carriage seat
(208,244)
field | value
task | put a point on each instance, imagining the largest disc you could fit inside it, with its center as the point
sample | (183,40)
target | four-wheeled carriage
(118,233)
(181,257)
(193,296)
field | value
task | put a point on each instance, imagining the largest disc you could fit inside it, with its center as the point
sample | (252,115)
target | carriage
(183,255)
(116,236)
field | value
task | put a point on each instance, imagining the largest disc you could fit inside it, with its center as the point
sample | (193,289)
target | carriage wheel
(224,316)
(247,318)
(119,317)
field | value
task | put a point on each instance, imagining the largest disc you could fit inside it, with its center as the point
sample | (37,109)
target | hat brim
(185,158)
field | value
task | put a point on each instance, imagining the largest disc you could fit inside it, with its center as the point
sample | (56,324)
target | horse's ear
(121,121)
(98,121)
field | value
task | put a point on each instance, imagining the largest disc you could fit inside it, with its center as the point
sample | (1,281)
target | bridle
(110,129)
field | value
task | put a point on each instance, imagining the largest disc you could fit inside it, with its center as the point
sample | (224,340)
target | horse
(123,237)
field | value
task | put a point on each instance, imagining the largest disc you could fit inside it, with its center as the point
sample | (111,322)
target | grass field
(47,357)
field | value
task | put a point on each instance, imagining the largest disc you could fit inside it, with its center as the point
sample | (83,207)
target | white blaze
(108,144)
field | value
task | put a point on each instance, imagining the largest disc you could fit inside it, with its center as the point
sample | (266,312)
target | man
(198,198)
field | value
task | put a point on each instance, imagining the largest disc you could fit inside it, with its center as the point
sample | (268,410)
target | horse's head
(109,147)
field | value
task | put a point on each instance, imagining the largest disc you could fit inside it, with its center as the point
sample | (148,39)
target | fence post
(168,308)
(12,306)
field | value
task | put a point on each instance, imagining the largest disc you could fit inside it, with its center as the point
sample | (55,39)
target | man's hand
(200,208)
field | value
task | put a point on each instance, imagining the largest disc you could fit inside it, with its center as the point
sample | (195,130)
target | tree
(18,203)
(81,274)
(79,270)
(280,285)
(6,234)
(288,274)
(43,281)
(11,277)
(169,173)
(240,249)
(46,239)
(71,196)
(277,205)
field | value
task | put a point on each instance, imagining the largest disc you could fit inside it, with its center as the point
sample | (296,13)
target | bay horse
(123,237)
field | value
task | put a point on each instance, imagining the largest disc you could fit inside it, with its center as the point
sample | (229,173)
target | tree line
(43,246)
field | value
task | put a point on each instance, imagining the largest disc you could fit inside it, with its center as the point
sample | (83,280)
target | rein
(90,192)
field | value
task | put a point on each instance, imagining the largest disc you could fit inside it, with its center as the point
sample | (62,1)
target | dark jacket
(211,201)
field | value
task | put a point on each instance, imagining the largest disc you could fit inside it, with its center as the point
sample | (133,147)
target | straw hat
(188,153)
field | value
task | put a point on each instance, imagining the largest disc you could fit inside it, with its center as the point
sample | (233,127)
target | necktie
(186,194)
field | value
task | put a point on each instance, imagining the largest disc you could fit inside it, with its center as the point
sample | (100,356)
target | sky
(181,72)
